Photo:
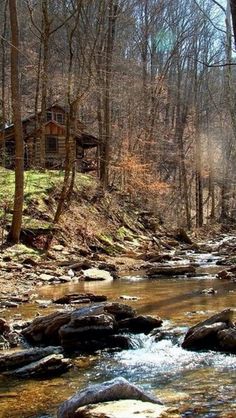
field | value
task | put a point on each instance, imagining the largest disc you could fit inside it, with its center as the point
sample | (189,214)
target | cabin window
(49,116)
(51,144)
(60,118)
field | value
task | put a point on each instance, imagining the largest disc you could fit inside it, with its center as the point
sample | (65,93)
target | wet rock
(227,340)
(140,324)
(83,331)
(209,291)
(118,409)
(94,274)
(171,270)
(54,364)
(43,303)
(210,333)
(94,327)
(225,275)
(113,390)
(80,298)
(4,344)
(4,327)
(119,310)
(126,297)
(5,303)
(13,338)
(22,358)
(65,279)
(89,329)
(44,329)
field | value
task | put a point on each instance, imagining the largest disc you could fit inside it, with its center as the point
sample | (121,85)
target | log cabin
(84,145)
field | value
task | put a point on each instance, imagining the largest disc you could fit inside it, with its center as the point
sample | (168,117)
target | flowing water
(198,384)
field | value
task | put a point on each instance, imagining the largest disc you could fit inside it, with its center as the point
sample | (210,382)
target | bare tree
(14,234)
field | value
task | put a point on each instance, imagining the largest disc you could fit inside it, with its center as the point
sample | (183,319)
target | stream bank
(161,366)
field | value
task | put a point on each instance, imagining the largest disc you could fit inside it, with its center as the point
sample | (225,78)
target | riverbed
(198,384)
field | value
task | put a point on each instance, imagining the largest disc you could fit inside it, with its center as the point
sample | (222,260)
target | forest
(117,208)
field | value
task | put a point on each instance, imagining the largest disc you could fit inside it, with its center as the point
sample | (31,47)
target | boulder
(22,358)
(52,365)
(83,331)
(140,324)
(90,328)
(227,340)
(216,333)
(44,329)
(96,274)
(113,390)
(171,270)
(119,310)
(119,409)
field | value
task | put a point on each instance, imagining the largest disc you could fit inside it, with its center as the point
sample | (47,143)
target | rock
(4,327)
(126,297)
(43,303)
(4,344)
(204,337)
(13,338)
(227,340)
(119,311)
(140,324)
(80,298)
(44,329)
(8,304)
(119,409)
(65,279)
(152,257)
(182,236)
(209,291)
(225,275)
(22,358)
(51,365)
(83,331)
(113,390)
(46,277)
(209,333)
(96,274)
(58,247)
(171,270)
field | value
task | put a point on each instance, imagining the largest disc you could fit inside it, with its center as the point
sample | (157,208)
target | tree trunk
(105,148)
(14,234)
(4,82)
(45,41)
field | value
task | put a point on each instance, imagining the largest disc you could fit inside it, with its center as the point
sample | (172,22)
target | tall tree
(14,234)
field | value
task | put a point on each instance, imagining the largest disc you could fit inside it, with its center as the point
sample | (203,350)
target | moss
(106,239)
(123,232)
(21,251)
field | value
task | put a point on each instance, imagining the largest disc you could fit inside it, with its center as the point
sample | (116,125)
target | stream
(199,384)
